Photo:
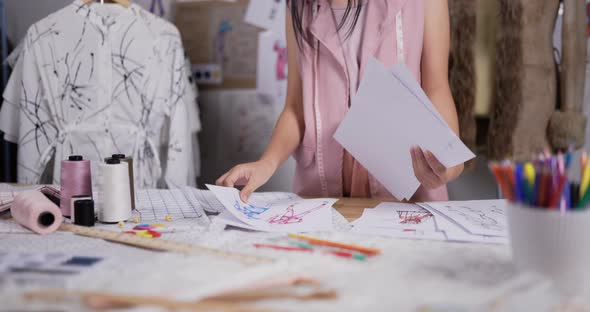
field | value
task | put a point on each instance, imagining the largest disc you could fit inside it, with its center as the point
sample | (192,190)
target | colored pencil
(284,248)
(575,195)
(321,242)
(545,181)
(556,196)
(500,178)
(337,253)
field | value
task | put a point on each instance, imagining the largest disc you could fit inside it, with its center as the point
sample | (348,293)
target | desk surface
(352,208)
(409,275)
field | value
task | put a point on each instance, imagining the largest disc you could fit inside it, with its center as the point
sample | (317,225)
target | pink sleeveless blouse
(392,32)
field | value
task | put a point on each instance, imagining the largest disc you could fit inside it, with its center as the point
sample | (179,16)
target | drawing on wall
(282,60)
(225,27)
(290,217)
(272,76)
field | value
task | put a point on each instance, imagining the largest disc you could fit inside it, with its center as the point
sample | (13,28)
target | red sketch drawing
(282,60)
(413,217)
(290,217)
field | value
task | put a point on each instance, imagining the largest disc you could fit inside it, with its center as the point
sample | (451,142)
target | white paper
(228,218)
(385,121)
(402,73)
(272,70)
(397,215)
(398,220)
(400,233)
(456,233)
(267,213)
(267,14)
(480,217)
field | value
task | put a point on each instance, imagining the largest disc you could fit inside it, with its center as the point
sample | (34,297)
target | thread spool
(36,212)
(76,180)
(73,202)
(115,192)
(84,212)
(129,161)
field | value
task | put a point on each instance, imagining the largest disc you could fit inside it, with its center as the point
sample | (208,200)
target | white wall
(21,14)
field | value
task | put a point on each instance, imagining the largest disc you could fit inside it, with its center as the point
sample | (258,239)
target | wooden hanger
(125,3)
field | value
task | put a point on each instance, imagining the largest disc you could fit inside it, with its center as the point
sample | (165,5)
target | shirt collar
(105,22)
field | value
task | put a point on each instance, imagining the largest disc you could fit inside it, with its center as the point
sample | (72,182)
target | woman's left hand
(429,171)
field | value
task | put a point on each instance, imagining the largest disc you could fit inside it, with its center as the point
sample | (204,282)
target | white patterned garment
(94,80)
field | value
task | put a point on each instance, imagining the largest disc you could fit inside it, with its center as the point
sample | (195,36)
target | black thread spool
(84,212)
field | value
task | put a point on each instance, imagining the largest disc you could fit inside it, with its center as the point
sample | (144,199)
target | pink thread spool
(36,212)
(76,180)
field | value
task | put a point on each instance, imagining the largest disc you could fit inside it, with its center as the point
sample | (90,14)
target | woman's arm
(286,136)
(435,71)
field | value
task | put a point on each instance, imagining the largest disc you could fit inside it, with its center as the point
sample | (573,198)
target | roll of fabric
(76,180)
(36,212)
(114,194)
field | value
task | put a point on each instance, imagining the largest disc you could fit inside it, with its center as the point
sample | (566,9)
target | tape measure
(157,244)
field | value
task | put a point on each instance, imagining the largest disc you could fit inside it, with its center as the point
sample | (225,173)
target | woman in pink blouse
(329,43)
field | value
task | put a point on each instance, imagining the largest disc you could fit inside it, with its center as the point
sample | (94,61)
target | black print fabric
(100,79)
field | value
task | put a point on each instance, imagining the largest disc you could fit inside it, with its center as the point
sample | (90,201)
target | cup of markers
(548,219)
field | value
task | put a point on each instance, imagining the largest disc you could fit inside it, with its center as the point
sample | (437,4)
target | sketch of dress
(290,217)
(250,211)
(478,217)
(413,217)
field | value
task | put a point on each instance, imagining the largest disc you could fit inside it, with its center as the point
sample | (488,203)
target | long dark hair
(298,8)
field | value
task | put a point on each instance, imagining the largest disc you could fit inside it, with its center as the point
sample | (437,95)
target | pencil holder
(552,243)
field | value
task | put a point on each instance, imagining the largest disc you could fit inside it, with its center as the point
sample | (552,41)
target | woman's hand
(429,171)
(253,175)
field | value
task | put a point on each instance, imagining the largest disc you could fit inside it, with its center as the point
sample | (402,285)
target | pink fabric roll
(36,212)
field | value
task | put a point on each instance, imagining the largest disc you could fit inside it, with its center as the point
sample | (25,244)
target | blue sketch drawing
(225,27)
(250,211)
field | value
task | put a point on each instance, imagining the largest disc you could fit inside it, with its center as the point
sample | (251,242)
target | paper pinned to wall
(268,14)
(264,212)
(272,69)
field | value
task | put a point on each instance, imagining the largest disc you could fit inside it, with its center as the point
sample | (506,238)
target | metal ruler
(157,244)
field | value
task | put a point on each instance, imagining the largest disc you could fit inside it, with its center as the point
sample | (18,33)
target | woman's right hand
(253,175)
